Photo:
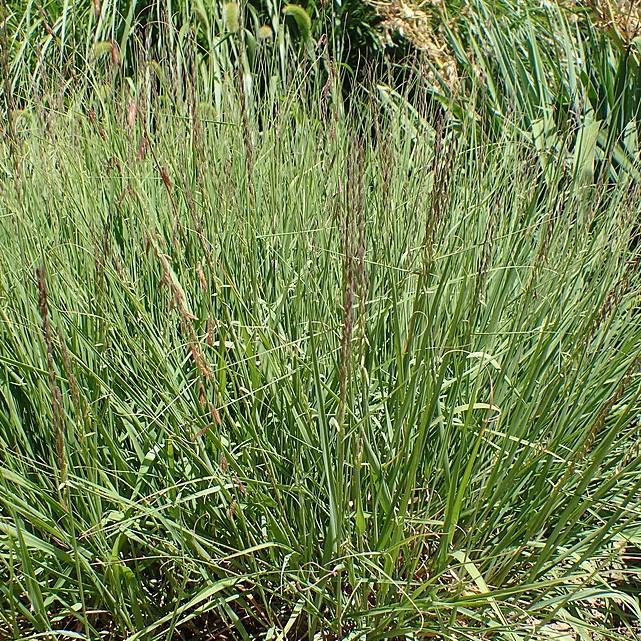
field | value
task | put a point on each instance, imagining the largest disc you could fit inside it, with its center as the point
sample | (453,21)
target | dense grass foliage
(280,381)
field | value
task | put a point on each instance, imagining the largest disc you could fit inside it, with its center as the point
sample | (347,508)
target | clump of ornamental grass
(391,391)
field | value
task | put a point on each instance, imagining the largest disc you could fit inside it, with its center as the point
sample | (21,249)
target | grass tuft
(286,381)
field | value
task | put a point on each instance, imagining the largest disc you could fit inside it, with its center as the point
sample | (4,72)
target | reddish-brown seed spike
(132,111)
(201,277)
(165,178)
(115,53)
(96,8)
(210,332)
(214,414)
(93,119)
(142,149)
(202,398)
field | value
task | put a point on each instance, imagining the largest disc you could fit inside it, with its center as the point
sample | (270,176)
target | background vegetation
(553,69)
(320,322)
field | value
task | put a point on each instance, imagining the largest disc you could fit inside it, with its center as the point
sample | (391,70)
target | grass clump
(283,382)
